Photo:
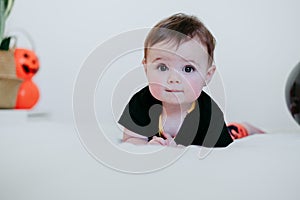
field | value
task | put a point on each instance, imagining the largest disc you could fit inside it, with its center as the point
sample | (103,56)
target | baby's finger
(157,140)
(171,142)
(169,139)
(161,141)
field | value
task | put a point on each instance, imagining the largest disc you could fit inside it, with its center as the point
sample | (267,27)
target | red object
(27,63)
(237,130)
(28,95)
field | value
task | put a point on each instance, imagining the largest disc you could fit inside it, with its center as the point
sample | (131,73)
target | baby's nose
(174,77)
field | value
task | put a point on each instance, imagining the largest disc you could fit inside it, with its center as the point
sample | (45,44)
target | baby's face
(177,75)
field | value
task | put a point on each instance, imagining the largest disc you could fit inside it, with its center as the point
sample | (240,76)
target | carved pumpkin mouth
(28,70)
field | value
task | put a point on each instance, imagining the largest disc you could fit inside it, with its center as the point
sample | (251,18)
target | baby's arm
(134,138)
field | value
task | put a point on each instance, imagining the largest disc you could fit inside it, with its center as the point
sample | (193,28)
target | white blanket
(46,160)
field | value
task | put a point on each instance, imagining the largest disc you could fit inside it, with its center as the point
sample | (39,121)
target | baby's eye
(162,67)
(188,68)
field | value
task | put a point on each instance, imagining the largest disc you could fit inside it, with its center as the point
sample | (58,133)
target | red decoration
(28,95)
(27,63)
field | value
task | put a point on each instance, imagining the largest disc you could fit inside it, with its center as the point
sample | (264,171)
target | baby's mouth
(173,90)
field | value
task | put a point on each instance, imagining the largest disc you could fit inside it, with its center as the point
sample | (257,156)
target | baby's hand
(158,140)
(169,141)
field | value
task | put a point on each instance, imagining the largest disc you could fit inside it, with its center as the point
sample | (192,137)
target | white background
(257,47)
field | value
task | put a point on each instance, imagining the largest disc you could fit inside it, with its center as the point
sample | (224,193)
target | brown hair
(179,28)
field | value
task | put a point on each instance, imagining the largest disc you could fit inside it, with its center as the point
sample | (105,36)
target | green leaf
(5,44)
(8,4)
(5,8)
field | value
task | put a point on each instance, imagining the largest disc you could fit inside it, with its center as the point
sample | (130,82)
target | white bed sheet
(46,160)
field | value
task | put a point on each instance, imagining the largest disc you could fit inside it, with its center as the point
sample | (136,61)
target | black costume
(203,126)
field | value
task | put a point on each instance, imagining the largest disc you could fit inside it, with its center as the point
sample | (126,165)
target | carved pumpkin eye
(26,55)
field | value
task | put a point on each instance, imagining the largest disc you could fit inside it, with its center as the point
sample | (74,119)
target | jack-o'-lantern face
(27,63)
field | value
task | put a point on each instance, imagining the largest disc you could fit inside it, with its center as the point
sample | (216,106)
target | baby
(173,109)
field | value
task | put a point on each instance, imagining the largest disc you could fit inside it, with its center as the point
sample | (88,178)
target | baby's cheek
(155,90)
(195,88)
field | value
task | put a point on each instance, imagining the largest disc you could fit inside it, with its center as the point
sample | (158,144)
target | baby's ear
(144,62)
(210,72)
